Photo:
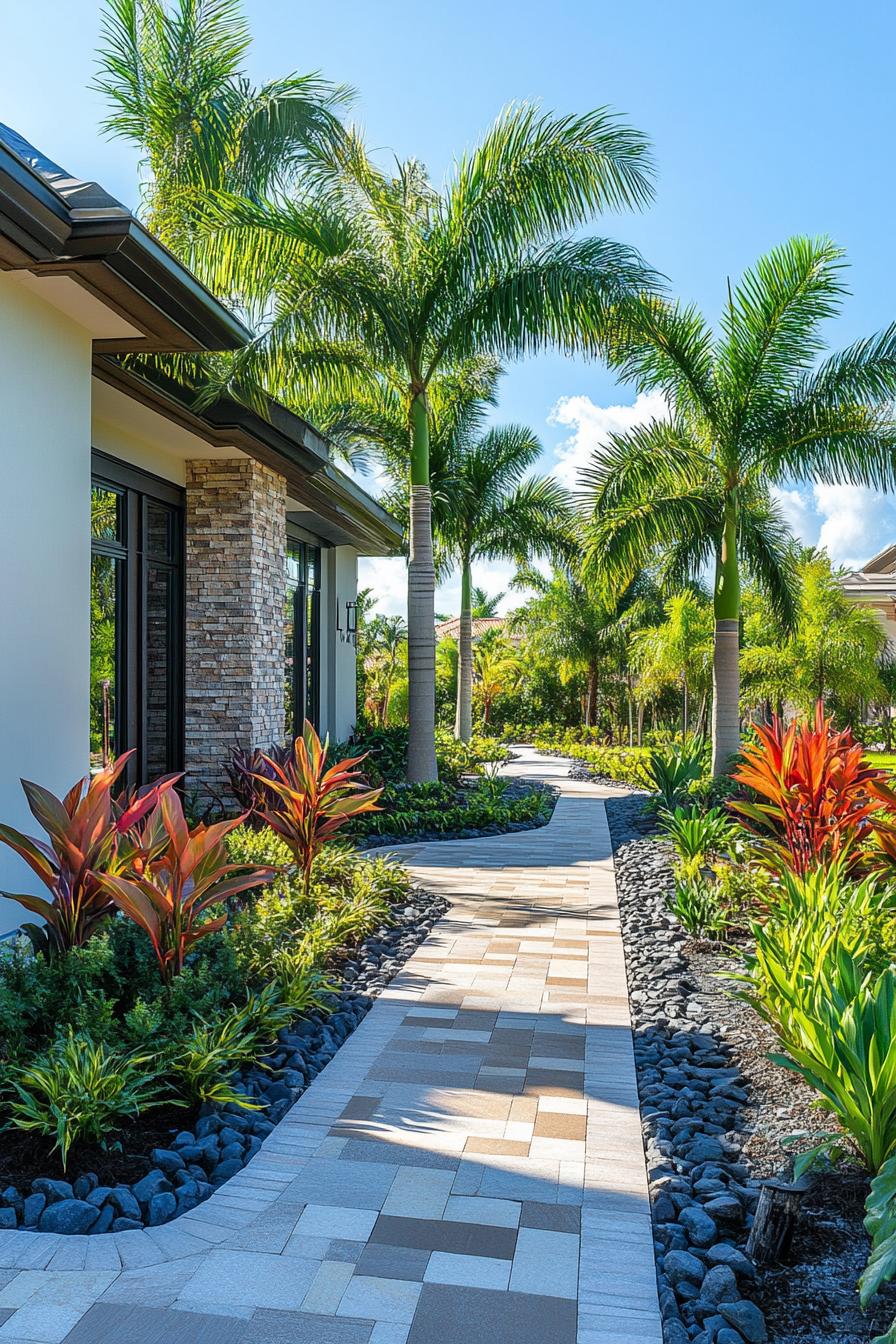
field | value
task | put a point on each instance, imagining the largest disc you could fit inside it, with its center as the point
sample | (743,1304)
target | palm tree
(496,513)
(484,606)
(416,281)
(497,667)
(174,78)
(386,638)
(572,622)
(677,652)
(748,410)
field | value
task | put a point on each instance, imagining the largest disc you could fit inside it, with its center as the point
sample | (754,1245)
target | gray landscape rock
(68,1216)
(747,1319)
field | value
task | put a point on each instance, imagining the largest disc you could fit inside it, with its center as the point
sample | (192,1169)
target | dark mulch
(24,1156)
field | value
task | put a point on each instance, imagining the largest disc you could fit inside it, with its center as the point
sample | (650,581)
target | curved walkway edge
(469,1165)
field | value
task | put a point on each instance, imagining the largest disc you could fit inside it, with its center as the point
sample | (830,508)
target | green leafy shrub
(669,771)
(696,835)
(816,976)
(623,764)
(695,904)
(880,1224)
(80,1089)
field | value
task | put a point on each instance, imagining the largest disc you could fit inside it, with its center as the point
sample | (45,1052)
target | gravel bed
(196,1161)
(715,1113)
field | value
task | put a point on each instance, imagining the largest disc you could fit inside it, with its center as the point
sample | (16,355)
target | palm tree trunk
(421,607)
(463,722)
(726,648)
(591,709)
(640,723)
(684,710)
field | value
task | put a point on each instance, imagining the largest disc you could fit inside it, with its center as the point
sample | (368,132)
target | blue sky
(767,119)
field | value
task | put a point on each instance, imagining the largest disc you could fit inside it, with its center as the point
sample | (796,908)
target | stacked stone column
(235,589)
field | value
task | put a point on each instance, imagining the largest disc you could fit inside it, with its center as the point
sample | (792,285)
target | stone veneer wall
(235,588)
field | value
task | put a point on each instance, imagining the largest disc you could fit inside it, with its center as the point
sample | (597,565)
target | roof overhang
(338,510)
(105,249)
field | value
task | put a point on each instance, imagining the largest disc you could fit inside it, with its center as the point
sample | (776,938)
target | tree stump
(775,1219)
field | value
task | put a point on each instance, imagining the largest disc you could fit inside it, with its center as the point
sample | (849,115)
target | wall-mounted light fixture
(348,633)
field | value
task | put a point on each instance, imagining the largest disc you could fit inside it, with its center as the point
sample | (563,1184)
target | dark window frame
(140,491)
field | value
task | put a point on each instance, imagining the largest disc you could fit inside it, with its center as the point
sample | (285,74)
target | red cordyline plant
(819,795)
(188,872)
(314,802)
(89,834)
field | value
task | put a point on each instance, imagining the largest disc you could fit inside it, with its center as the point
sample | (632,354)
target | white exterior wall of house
(341,574)
(44,559)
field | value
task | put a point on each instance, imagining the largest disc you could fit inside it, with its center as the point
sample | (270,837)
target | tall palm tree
(416,280)
(496,512)
(174,77)
(748,410)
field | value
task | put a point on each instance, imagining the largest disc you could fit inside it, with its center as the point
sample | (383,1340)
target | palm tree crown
(404,282)
(748,410)
(174,79)
(496,512)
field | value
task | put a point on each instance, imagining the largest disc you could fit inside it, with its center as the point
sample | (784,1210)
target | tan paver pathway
(469,1166)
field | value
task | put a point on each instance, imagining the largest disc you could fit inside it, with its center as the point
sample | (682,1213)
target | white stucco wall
(338,675)
(44,560)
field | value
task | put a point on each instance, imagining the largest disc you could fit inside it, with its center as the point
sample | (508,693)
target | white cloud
(592,425)
(798,509)
(388,577)
(856,522)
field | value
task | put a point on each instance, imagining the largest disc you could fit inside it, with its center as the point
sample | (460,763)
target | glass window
(301,622)
(106,573)
(136,618)
(106,513)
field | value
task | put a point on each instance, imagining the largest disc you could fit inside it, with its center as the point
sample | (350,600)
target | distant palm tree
(415,281)
(484,606)
(174,77)
(574,624)
(497,667)
(496,512)
(748,411)
(386,638)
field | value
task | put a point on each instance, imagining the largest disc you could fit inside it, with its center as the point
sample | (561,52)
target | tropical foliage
(748,410)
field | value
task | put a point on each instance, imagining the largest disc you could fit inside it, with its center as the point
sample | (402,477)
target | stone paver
(468,1166)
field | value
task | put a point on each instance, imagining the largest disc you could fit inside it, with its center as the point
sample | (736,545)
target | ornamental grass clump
(81,1089)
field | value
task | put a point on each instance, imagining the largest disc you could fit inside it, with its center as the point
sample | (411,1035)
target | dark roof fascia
(367,525)
(116,258)
(34,219)
(285,442)
(131,252)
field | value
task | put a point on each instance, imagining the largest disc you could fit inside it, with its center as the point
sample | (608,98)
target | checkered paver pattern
(469,1166)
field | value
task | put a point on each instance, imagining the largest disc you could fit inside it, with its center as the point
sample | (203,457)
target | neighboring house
(874,585)
(450,629)
(175,581)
